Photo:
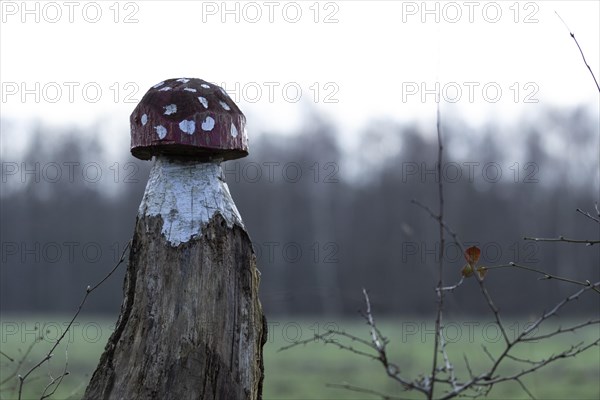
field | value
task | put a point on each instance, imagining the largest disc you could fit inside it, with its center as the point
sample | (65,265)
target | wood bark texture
(191,324)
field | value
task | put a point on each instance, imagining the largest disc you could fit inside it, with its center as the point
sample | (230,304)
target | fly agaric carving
(191,325)
(188,117)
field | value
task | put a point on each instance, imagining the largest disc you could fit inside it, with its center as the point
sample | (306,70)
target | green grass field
(304,372)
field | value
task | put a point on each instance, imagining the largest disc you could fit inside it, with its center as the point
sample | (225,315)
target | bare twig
(327,340)
(521,360)
(487,352)
(447,227)
(7,356)
(531,396)
(56,381)
(88,291)
(448,367)
(587,214)
(440,283)
(453,287)
(580,50)
(493,308)
(547,275)
(377,344)
(563,239)
(556,308)
(375,336)
(561,330)
(22,359)
(489,379)
(571,352)
(468,365)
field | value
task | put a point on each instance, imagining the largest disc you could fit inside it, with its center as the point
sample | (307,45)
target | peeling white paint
(187,126)
(234,131)
(165,89)
(189,89)
(183,80)
(161,131)
(208,124)
(144,119)
(203,101)
(205,86)
(224,105)
(159,84)
(170,109)
(187,195)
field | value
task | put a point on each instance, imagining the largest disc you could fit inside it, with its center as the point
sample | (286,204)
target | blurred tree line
(326,219)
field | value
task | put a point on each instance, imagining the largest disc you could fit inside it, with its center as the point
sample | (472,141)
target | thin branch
(57,381)
(545,316)
(453,287)
(88,291)
(447,227)
(580,50)
(492,307)
(563,239)
(561,330)
(440,283)
(571,352)
(468,365)
(21,360)
(587,214)
(375,335)
(586,283)
(378,344)
(521,360)
(487,352)
(448,367)
(531,396)
(326,340)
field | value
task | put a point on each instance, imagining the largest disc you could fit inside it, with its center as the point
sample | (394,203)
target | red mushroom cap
(188,118)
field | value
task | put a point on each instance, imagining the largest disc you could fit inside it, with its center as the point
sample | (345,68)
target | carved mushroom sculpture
(191,324)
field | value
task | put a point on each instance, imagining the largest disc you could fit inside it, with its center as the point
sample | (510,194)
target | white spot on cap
(224,92)
(203,101)
(205,86)
(158,85)
(189,89)
(144,119)
(165,89)
(224,105)
(183,80)
(188,126)
(208,124)
(234,131)
(170,109)
(161,131)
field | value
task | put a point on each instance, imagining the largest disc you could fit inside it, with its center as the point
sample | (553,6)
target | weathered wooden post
(191,324)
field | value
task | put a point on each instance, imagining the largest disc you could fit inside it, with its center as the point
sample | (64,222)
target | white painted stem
(187,194)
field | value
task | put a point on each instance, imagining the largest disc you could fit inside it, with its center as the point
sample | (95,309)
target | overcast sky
(81,62)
